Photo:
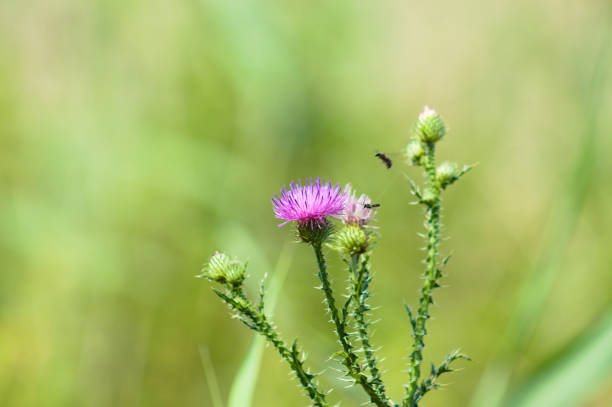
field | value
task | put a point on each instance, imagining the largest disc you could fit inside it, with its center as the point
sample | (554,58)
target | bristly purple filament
(309,204)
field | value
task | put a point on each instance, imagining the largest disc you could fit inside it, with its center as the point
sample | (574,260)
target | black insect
(385,159)
(370,206)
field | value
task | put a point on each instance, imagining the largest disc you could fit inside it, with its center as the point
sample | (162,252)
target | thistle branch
(350,359)
(431,200)
(420,151)
(360,279)
(255,319)
(436,371)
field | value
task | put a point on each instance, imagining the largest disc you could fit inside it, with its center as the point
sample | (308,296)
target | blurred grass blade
(241,392)
(538,282)
(573,374)
(211,377)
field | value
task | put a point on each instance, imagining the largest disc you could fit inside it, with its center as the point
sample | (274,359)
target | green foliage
(538,282)
(136,137)
(577,370)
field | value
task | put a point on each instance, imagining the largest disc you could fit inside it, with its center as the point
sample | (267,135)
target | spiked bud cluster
(222,269)
(351,240)
(447,173)
(429,127)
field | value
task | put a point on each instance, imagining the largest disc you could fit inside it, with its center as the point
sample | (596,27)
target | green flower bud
(351,240)
(447,173)
(414,152)
(429,127)
(222,269)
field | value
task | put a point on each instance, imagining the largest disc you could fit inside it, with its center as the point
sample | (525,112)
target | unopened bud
(428,197)
(351,240)
(222,269)
(429,127)
(447,173)
(414,152)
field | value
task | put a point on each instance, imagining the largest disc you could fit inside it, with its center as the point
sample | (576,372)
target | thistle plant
(313,208)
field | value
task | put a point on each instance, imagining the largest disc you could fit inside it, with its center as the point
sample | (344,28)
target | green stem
(361,279)
(431,277)
(259,322)
(350,358)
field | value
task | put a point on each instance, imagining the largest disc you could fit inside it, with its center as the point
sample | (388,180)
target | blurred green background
(137,137)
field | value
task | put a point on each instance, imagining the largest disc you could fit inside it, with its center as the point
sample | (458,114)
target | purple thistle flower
(355,210)
(310,203)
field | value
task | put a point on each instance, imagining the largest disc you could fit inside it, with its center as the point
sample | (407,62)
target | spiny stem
(360,276)
(258,321)
(350,358)
(431,277)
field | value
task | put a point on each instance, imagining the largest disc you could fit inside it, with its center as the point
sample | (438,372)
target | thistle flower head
(309,204)
(356,210)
